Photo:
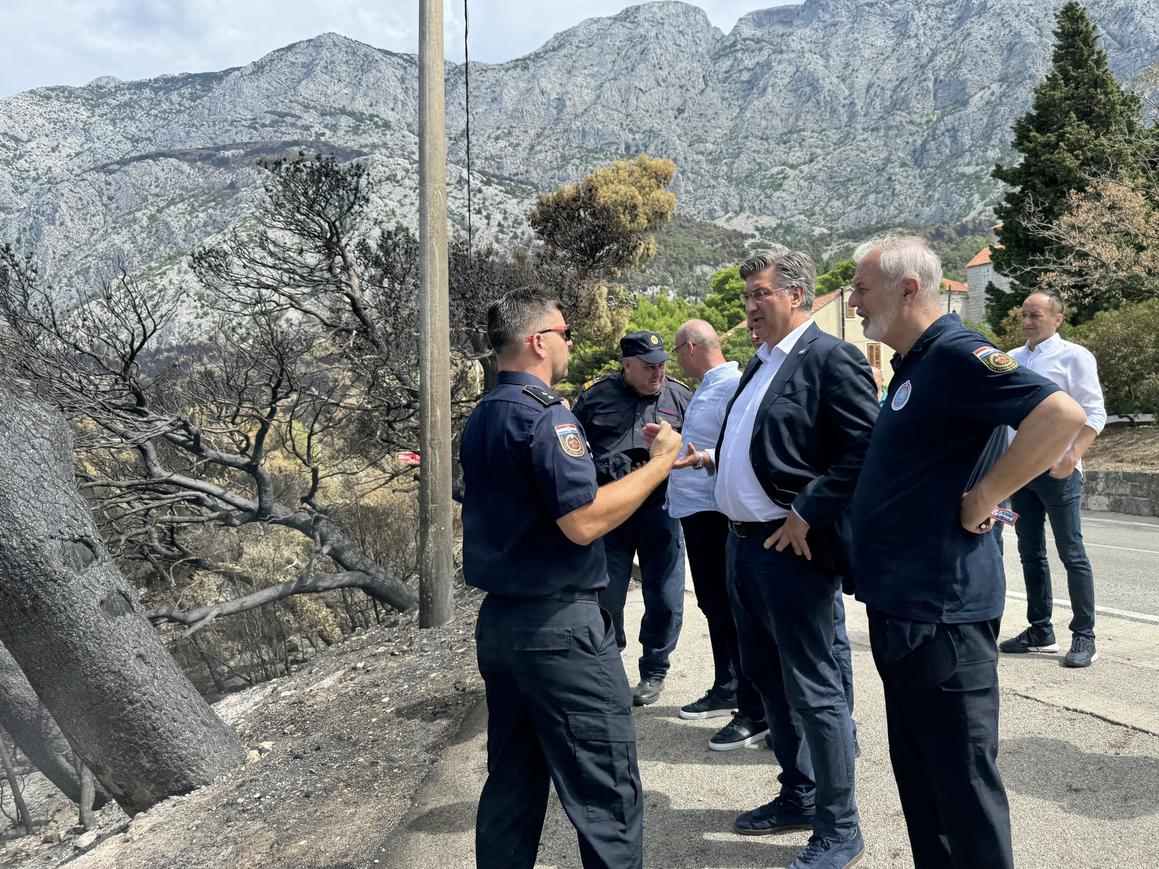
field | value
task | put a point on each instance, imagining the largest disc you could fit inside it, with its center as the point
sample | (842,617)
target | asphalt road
(1079,750)
(1124,553)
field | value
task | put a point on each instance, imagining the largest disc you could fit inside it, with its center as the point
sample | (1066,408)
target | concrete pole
(436,545)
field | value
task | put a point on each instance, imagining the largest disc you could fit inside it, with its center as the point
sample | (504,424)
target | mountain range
(827,116)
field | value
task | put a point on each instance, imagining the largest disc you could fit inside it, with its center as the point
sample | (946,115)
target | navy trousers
(1060,501)
(705,535)
(655,536)
(784,609)
(559,708)
(941,705)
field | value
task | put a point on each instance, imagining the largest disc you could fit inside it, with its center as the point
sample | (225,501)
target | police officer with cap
(927,564)
(559,705)
(614,410)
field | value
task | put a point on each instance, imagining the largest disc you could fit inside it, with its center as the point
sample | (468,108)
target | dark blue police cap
(647,345)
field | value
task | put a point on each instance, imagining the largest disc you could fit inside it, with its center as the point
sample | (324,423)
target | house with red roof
(979,273)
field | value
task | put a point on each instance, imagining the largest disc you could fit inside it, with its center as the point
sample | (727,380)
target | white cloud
(51,42)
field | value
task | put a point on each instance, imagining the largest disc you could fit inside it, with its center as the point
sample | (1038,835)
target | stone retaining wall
(1132,492)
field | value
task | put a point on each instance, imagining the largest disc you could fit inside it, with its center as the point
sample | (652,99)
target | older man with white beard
(927,567)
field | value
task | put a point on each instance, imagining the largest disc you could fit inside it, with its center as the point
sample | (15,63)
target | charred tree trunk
(22,815)
(77,631)
(35,732)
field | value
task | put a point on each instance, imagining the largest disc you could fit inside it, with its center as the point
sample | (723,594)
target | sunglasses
(563,331)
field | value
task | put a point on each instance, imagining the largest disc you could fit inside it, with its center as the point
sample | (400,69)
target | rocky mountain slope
(833,114)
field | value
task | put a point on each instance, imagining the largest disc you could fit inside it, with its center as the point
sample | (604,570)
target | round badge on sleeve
(902,395)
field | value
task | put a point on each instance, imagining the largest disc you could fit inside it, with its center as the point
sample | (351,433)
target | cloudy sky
(71,42)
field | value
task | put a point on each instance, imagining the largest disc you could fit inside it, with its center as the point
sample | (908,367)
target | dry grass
(1125,448)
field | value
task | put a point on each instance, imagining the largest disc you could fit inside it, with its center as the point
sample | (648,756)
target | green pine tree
(1082,124)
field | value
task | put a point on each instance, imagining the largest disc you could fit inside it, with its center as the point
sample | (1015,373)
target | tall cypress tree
(1082,124)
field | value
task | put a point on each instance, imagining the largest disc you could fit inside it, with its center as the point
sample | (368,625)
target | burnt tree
(35,732)
(76,629)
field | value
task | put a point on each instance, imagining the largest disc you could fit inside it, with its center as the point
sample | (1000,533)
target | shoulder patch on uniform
(544,396)
(595,380)
(570,440)
(995,359)
(678,380)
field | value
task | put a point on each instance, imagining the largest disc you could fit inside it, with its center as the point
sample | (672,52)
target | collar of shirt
(785,345)
(1045,348)
(521,378)
(927,338)
(716,371)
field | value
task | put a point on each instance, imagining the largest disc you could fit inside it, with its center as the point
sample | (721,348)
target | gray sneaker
(1082,652)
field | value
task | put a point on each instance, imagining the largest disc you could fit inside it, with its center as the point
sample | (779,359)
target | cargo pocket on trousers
(605,752)
(974,684)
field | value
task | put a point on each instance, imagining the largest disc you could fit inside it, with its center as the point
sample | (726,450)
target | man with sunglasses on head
(613,411)
(558,702)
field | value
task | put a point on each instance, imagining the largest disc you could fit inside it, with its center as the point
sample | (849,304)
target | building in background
(979,273)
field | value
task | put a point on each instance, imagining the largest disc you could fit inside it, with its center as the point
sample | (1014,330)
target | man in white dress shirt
(691,500)
(1057,494)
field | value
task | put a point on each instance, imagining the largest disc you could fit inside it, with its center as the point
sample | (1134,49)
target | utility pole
(436,545)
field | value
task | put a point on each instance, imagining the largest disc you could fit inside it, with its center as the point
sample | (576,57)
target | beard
(558,370)
(881,323)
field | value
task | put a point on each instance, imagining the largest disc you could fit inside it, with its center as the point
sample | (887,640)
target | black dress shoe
(648,691)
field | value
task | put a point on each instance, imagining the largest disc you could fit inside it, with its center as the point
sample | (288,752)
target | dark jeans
(842,651)
(656,536)
(784,609)
(941,706)
(558,708)
(705,535)
(1044,498)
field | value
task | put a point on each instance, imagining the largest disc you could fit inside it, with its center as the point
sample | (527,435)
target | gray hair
(1057,305)
(514,316)
(791,268)
(906,256)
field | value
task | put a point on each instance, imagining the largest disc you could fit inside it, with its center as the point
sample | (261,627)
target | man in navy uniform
(786,463)
(558,702)
(613,411)
(926,563)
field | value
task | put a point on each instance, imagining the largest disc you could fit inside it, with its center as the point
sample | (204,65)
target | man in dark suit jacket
(787,462)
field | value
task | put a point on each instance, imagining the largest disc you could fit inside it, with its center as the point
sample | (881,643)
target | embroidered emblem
(653,339)
(901,397)
(569,439)
(995,359)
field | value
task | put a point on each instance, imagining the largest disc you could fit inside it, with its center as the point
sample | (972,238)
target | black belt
(572,596)
(755,529)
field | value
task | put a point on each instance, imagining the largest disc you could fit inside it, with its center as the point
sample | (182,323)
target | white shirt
(691,490)
(739,493)
(1075,371)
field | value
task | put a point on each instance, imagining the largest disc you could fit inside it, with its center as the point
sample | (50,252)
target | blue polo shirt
(526,462)
(934,439)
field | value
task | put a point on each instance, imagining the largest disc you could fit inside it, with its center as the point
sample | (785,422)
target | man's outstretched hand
(664,445)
